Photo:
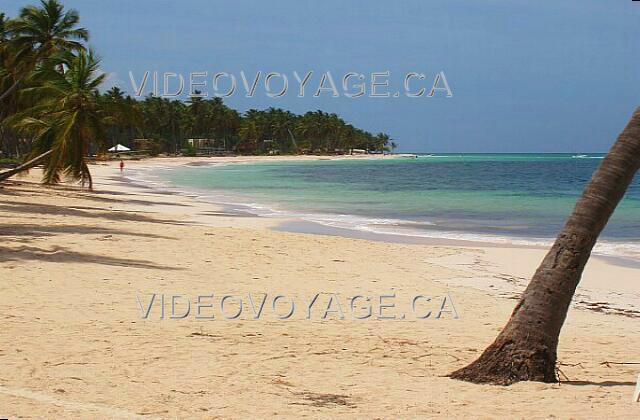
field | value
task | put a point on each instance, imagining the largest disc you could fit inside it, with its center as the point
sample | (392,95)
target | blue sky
(526,76)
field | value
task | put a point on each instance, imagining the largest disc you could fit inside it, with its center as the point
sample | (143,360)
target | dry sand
(73,265)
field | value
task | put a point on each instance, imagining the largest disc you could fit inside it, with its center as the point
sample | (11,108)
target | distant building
(208,147)
(143,144)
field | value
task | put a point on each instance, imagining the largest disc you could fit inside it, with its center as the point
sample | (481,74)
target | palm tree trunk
(11,89)
(27,165)
(526,349)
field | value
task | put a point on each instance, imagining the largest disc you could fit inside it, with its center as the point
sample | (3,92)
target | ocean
(497,198)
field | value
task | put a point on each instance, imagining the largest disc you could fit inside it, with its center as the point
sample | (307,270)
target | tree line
(170,122)
(53,112)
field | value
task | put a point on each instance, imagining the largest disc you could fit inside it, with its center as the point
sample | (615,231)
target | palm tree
(314,128)
(125,113)
(5,60)
(67,118)
(229,124)
(250,134)
(39,33)
(381,142)
(7,63)
(4,41)
(526,349)
(196,115)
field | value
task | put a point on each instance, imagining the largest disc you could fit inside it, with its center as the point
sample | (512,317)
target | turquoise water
(503,197)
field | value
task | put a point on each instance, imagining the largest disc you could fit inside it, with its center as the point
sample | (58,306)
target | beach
(79,270)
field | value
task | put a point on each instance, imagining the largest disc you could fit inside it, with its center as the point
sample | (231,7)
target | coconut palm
(281,123)
(381,142)
(7,59)
(314,129)
(250,134)
(125,113)
(4,40)
(40,32)
(526,349)
(67,119)
(229,124)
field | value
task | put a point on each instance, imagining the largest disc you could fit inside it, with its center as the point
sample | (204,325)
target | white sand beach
(74,265)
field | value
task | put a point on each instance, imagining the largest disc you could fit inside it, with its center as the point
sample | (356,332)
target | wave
(374,225)
(602,248)
(586,157)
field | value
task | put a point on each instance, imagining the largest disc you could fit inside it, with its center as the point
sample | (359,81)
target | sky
(525,76)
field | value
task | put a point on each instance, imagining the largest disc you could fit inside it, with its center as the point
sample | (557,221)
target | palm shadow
(59,254)
(83,211)
(602,383)
(41,231)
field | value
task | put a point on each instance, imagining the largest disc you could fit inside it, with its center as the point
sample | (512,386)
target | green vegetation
(52,112)
(168,123)
(189,150)
(10,161)
(66,115)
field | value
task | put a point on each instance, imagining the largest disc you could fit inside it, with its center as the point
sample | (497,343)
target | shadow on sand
(602,383)
(39,231)
(82,211)
(25,233)
(59,254)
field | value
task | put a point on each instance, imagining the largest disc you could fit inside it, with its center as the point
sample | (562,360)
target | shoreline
(305,225)
(494,259)
(77,260)
(315,228)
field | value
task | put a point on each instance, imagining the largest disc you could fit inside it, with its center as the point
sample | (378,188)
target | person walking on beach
(121,165)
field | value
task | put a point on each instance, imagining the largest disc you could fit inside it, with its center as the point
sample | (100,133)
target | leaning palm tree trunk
(27,165)
(526,349)
(11,89)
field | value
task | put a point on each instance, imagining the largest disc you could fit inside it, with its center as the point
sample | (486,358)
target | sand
(78,269)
